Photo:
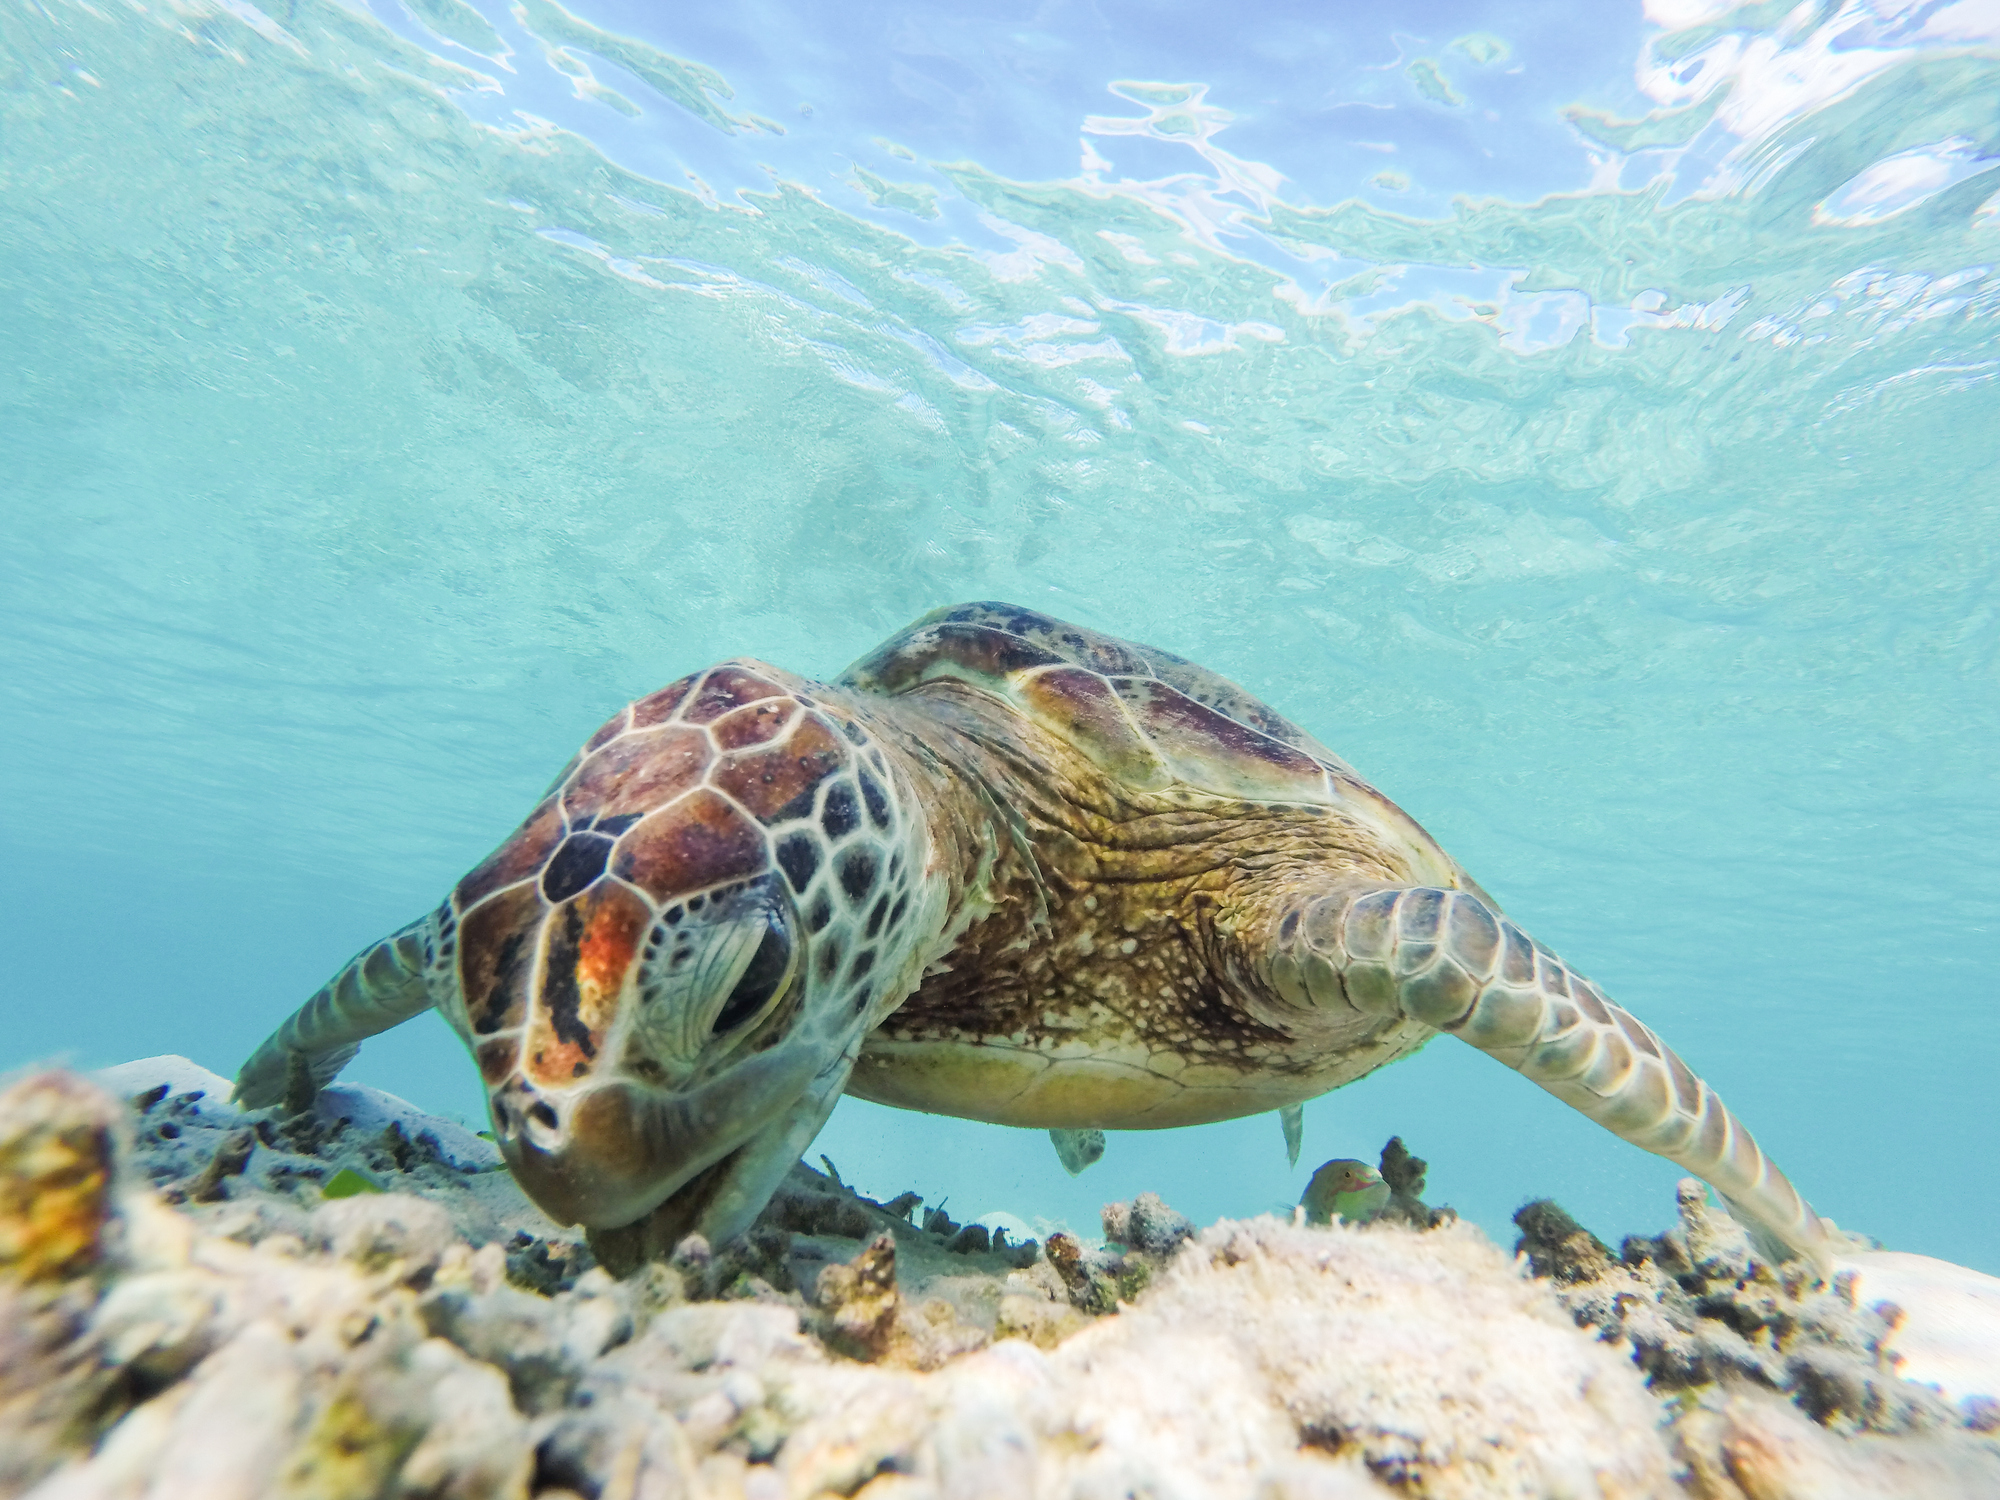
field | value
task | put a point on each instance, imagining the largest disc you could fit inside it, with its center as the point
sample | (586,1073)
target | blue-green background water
(1586,420)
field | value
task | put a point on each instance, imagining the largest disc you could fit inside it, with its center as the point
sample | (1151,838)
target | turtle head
(666,972)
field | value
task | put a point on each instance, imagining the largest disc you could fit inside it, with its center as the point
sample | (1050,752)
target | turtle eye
(766,975)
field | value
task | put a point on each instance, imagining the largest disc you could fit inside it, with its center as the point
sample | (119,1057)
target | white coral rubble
(260,1346)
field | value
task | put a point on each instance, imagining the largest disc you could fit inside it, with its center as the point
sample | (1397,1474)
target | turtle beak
(609,1155)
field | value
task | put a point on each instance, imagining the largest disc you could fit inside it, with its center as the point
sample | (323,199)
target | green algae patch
(348,1183)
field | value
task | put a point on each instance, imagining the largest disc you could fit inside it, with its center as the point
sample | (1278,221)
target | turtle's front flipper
(1447,959)
(381,986)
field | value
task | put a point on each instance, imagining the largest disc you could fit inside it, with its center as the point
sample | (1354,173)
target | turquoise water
(1587,422)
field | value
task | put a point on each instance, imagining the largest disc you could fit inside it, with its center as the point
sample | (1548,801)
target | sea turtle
(1003,868)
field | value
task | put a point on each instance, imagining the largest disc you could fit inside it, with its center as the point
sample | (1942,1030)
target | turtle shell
(1148,717)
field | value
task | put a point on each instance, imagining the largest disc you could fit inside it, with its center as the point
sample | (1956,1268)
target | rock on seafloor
(186,1312)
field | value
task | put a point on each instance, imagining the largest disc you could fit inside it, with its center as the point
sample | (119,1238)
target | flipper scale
(1446,959)
(381,986)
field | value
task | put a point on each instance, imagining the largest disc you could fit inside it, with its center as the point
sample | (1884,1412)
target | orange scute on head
(700,841)
(553,1061)
(637,774)
(592,940)
(611,935)
(527,849)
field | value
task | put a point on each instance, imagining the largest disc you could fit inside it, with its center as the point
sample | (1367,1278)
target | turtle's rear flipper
(1077,1149)
(381,987)
(1449,960)
(1293,1118)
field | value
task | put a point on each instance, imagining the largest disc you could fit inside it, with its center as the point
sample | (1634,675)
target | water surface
(1587,426)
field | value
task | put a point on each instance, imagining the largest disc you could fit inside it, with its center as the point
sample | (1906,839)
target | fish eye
(766,975)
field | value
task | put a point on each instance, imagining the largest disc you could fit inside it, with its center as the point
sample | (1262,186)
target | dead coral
(1699,1306)
(812,1206)
(862,1315)
(273,1344)
(802,1209)
(1090,1290)
(1558,1247)
(761,1264)
(1420,1358)
(547,1266)
(1751,1445)
(58,1138)
(1141,1236)
(229,1160)
(1147,1225)
(1040,1320)
(859,1301)
(58,1243)
(174,1362)
(1405,1175)
(971,1239)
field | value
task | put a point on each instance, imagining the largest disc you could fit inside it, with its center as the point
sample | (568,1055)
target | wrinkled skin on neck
(1106,972)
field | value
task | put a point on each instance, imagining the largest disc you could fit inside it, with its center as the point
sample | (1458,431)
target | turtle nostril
(543,1128)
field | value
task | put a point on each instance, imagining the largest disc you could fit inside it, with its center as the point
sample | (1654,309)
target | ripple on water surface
(392,394)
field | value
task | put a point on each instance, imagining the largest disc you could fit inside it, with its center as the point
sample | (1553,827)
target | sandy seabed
(356,1301)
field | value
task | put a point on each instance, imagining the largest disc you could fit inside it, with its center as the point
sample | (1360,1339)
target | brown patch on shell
(638,773)
(1082,706)
(979,652)
(698,842)
(1194,736)
(727,688)
(496,949)
(527,849)
(1071,643)
(1205,729)
(769,781)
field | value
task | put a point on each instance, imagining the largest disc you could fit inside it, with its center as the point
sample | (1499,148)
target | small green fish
(1346,1189)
